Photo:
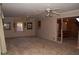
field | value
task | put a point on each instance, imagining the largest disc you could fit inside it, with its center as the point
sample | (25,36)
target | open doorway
(69,30)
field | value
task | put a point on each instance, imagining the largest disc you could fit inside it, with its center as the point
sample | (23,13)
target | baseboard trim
(19,37)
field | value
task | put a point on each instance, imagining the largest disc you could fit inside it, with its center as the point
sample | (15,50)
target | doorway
(69,29)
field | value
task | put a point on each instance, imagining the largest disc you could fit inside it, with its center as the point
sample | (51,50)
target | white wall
(0,33)
(14,33)
(48,28)
(2,38)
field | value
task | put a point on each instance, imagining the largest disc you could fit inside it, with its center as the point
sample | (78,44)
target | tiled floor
(37,46)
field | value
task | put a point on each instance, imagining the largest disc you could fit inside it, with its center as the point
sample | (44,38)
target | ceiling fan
(50,12)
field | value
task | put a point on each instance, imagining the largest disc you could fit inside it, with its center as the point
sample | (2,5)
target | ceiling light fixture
(77,19)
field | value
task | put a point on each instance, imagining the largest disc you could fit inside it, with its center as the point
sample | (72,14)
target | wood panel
(70,27)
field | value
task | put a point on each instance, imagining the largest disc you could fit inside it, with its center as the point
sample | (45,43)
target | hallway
(37,46)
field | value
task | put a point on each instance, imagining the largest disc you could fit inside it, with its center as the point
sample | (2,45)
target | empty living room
(39,28)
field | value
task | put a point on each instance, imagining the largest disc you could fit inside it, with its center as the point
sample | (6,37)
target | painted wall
(2,38)
(48,28)
(13,32)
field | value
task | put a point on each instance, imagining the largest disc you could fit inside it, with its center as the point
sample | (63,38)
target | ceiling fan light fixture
(48,10)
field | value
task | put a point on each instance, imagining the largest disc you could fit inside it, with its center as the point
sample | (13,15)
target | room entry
(68,30)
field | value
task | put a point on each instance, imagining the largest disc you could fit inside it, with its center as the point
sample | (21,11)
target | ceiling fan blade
(54,12)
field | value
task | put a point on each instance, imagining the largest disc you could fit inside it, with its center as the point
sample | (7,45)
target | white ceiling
(26,9)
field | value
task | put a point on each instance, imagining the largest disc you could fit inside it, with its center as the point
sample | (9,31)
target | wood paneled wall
(70,27)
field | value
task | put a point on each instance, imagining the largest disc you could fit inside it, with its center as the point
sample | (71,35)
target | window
(19,26)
